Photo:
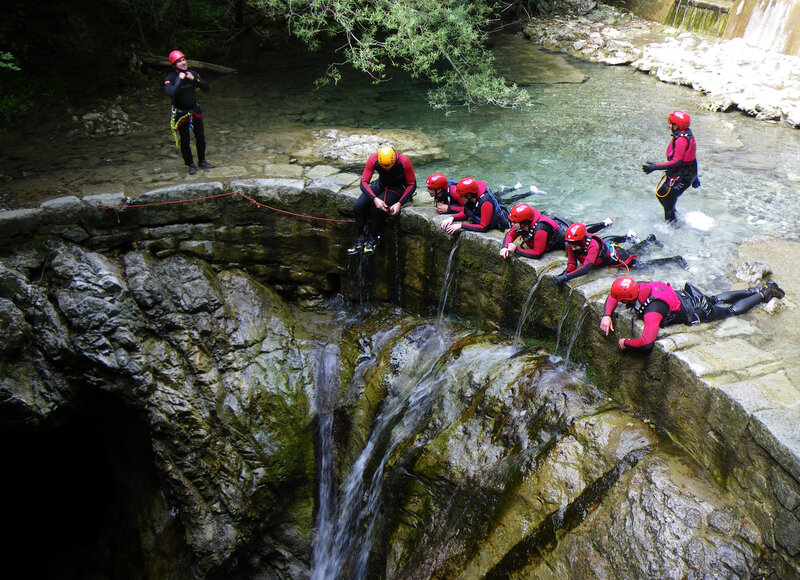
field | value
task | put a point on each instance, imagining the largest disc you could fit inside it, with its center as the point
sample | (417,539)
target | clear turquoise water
(581,144)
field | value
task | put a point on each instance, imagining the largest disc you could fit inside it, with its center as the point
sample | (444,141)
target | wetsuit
(454,202)
(660,305)
(546,234)
(597,251)
(397,183)
(681,168)
(484,214)
(186,113)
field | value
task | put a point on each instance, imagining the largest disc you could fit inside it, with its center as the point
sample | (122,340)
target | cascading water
(327,381)
(400,418)
(449,274)
(482,458)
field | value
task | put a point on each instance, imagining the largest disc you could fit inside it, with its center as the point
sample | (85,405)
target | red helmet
(467,186)
(680,119)
(436,181)
(575,233)
(175,56)
(625,289)
(523,213)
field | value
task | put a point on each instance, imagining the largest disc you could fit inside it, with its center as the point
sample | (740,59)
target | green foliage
(443,41)
(7,61)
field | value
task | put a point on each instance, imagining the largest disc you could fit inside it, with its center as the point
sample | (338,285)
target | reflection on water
(582,144)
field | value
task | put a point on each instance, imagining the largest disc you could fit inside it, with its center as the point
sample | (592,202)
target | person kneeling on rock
(482,212)
(658,304)
(591,250)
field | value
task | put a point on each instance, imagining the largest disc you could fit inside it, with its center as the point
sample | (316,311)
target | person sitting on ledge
(591,250)
(443,192)
(533,234)
(658,304)
(386,195)
(482,212)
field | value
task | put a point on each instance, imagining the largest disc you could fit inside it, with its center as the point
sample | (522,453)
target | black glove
(560,279)
(649,167)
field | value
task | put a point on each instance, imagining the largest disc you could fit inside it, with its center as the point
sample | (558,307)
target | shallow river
(582,144)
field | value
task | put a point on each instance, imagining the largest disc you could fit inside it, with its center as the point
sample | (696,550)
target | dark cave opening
(82,496)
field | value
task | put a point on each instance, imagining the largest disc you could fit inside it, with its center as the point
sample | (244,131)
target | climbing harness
(175,121)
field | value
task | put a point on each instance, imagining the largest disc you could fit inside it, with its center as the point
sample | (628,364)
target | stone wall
(710,400)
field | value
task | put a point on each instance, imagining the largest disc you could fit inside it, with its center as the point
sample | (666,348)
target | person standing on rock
(393,189)
(681,165)
(181,86)
(658,304)
(482,212)
(533,234)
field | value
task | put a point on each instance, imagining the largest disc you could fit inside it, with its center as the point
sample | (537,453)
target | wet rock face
(163,308)
(210,366)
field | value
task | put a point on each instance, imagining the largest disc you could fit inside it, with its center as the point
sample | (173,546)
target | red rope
(239,193)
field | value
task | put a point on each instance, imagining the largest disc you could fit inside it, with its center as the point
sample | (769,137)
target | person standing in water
(680,167)
(181,86)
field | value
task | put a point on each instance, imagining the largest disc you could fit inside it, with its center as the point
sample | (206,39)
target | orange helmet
(436,181)
(680,119)
(467,186)
(175,56)
(625,289)
(386,157)
(523,213)
(575,233)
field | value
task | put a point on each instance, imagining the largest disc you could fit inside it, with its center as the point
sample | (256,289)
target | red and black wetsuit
(546,234)
(395,184)
(484,214)
(596,252)
(681,168)
(658,304)
(186,112)
(652,311)
(454,202)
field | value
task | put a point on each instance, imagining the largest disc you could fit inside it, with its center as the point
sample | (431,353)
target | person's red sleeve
(487,212)
(366,176)
(410,179)
(652,322)
(539,246)
(681,145)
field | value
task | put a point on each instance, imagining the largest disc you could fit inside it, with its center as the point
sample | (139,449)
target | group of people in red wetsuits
(471,205)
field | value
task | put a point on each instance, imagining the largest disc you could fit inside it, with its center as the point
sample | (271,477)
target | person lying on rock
(533,234)
(443,192)
(482,212)
(386,195)
(591,250)
(658,304)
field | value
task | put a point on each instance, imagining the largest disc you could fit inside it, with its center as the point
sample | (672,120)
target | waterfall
(770,25)
(576,330)
(706,16)
(400,418)
(526,309)
(449,274)
(327,381)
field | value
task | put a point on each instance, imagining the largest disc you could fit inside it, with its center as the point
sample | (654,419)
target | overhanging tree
(443,41)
